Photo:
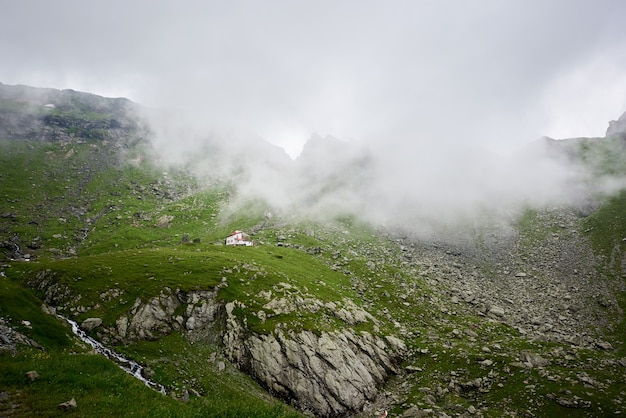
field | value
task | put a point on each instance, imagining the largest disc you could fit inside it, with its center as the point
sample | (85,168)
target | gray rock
(533,359)
(496,311)
(71,404)
(122,326)
(415,412)
(91,323)
(154,318)
(603,345)
(331,374)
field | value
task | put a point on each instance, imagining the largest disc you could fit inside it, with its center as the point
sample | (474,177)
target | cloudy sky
(494,72)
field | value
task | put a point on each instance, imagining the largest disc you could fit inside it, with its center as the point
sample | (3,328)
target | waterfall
(129,366)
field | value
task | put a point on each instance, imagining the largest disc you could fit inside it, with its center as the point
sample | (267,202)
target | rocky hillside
(37,114)
(333,316)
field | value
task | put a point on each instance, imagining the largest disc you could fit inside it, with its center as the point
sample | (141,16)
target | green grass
(99,387)
(102,389)
(605,157)
(144,273)
(18,304)
(606,229)
(182,366)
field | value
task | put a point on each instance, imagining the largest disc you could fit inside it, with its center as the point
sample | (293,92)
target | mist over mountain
(400,180)
(403,181)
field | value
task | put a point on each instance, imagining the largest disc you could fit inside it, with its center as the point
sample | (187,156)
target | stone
(32,375)
(415,412)
(496,310)
(603,345)
(71,404)
(533,359)
(91,323)
(49,310)
(164,221)
(122,326)
(470,333)
(148,373)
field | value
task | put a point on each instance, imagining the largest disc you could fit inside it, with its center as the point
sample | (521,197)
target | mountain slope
(335,316)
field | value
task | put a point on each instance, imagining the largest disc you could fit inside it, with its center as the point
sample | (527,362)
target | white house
(239,238)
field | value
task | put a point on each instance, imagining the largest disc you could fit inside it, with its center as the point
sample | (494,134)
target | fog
(405,182)
(432,102)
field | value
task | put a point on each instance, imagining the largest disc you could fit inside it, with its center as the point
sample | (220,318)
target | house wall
(238,239)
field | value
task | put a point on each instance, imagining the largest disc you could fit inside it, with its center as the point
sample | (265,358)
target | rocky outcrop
(331,373)
(154,318)
(328,374)
(617,127)
(194,313)
(55,293)
(10,338)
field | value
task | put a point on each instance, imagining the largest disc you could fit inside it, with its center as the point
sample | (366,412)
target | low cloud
(403,181)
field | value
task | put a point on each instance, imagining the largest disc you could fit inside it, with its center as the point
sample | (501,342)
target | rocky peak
(617,127)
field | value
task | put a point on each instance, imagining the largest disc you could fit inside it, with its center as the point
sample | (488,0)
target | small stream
(129,366)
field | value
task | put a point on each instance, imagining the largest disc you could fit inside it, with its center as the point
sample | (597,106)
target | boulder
(91,323)
(71,404)
(32,375)
(496,311)
(533,359)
